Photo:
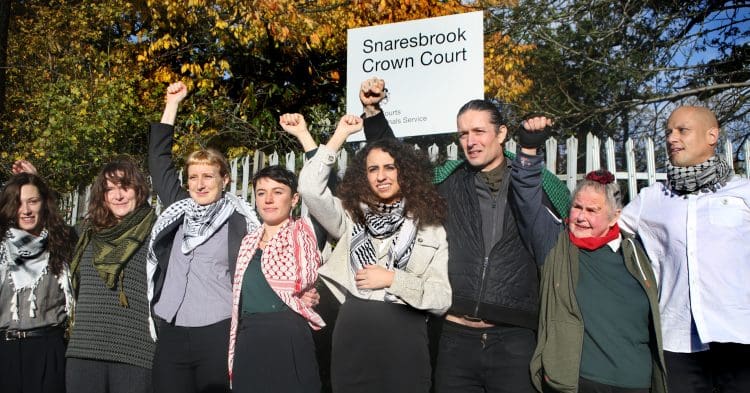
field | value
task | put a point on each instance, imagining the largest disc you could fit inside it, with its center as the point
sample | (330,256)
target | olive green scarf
(113,247)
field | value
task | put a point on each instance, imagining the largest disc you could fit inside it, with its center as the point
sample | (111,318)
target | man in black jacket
(488,335)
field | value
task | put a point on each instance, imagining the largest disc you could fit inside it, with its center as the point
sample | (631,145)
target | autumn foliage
(85,78)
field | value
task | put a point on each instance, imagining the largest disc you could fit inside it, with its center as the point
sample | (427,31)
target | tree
(85,77)
(618,68)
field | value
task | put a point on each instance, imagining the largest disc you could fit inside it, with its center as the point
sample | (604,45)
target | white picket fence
(243,169)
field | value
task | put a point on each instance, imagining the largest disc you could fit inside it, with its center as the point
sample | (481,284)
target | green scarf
(555,188)
(113,247)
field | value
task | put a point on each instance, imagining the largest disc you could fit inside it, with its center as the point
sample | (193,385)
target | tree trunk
(4,28)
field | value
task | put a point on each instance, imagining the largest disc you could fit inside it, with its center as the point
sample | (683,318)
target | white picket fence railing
(243,169)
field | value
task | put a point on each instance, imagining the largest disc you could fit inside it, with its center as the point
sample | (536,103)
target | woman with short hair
(599,314)
(271,348)
(192,258)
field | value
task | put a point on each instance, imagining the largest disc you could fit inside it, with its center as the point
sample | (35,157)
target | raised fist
(176,92)
(372,91)
(293,123)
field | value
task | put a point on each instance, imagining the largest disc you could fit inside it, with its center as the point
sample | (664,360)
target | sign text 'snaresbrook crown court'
(431,68)
(429,56)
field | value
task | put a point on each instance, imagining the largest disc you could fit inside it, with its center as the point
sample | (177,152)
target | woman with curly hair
(110,348)
(389,266)
(35,294)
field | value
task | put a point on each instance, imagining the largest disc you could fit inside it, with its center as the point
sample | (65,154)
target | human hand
(374,277)
(294,124)
(372,91)
(311,297)
(349,124)
(23,166)
(534,132)
(176,92)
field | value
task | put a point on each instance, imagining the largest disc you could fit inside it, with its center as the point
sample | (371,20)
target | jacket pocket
(421,256)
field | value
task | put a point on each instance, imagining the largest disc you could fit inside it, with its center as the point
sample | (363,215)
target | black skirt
(380,347)
(275,353)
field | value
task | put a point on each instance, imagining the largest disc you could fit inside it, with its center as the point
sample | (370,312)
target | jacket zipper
(485,263)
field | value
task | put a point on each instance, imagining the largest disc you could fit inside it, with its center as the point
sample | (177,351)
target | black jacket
(501,288)
(504,288)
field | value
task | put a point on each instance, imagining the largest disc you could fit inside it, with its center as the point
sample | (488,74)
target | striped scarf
(389,220)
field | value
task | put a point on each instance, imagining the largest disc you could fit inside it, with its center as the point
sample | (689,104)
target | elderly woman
(271,346)
(389,266)
(193,252)
(35,295)
(599,315)
(110,348)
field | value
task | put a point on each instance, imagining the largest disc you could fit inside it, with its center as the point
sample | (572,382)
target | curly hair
(423,203)
(121,170)
(60,240)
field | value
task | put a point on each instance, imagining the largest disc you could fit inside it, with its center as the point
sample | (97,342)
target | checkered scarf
(389,220)
(705,177)
(199,224)
(23,259)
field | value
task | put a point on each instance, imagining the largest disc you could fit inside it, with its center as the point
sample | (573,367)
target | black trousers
(98,376)
(492,360)
(274,353)
(379,347)
(33,365)
(724,368)
(589,386)
(191,359)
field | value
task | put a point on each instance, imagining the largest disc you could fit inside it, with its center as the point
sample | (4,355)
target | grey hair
(611,191)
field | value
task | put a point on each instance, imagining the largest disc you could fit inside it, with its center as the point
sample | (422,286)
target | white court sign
(431,68)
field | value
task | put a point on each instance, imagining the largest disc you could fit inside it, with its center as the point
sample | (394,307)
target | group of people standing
(536,290)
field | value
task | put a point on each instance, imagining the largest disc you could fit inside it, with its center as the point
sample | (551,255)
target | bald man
(696,230)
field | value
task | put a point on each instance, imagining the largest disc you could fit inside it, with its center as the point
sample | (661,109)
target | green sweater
(557,358)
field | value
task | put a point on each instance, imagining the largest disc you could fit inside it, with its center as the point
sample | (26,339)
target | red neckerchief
(593,243)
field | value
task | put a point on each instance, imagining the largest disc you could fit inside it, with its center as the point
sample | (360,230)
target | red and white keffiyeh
(289,263)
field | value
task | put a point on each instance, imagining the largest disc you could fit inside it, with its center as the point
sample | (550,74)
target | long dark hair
(121,170)
(423,202)
(60,239)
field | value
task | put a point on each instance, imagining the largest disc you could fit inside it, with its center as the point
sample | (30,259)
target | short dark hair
(277,173)
(496,117)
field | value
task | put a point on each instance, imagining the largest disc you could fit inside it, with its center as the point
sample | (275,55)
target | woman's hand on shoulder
(374,277)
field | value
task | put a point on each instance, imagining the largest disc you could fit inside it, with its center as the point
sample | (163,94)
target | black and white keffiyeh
(708,176)
(199,224)
(24,262)
(389,220)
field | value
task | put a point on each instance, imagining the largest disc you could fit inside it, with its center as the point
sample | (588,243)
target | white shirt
(699,248)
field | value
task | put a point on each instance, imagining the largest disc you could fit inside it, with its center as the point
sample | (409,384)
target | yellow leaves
(221,24)
(315,40)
